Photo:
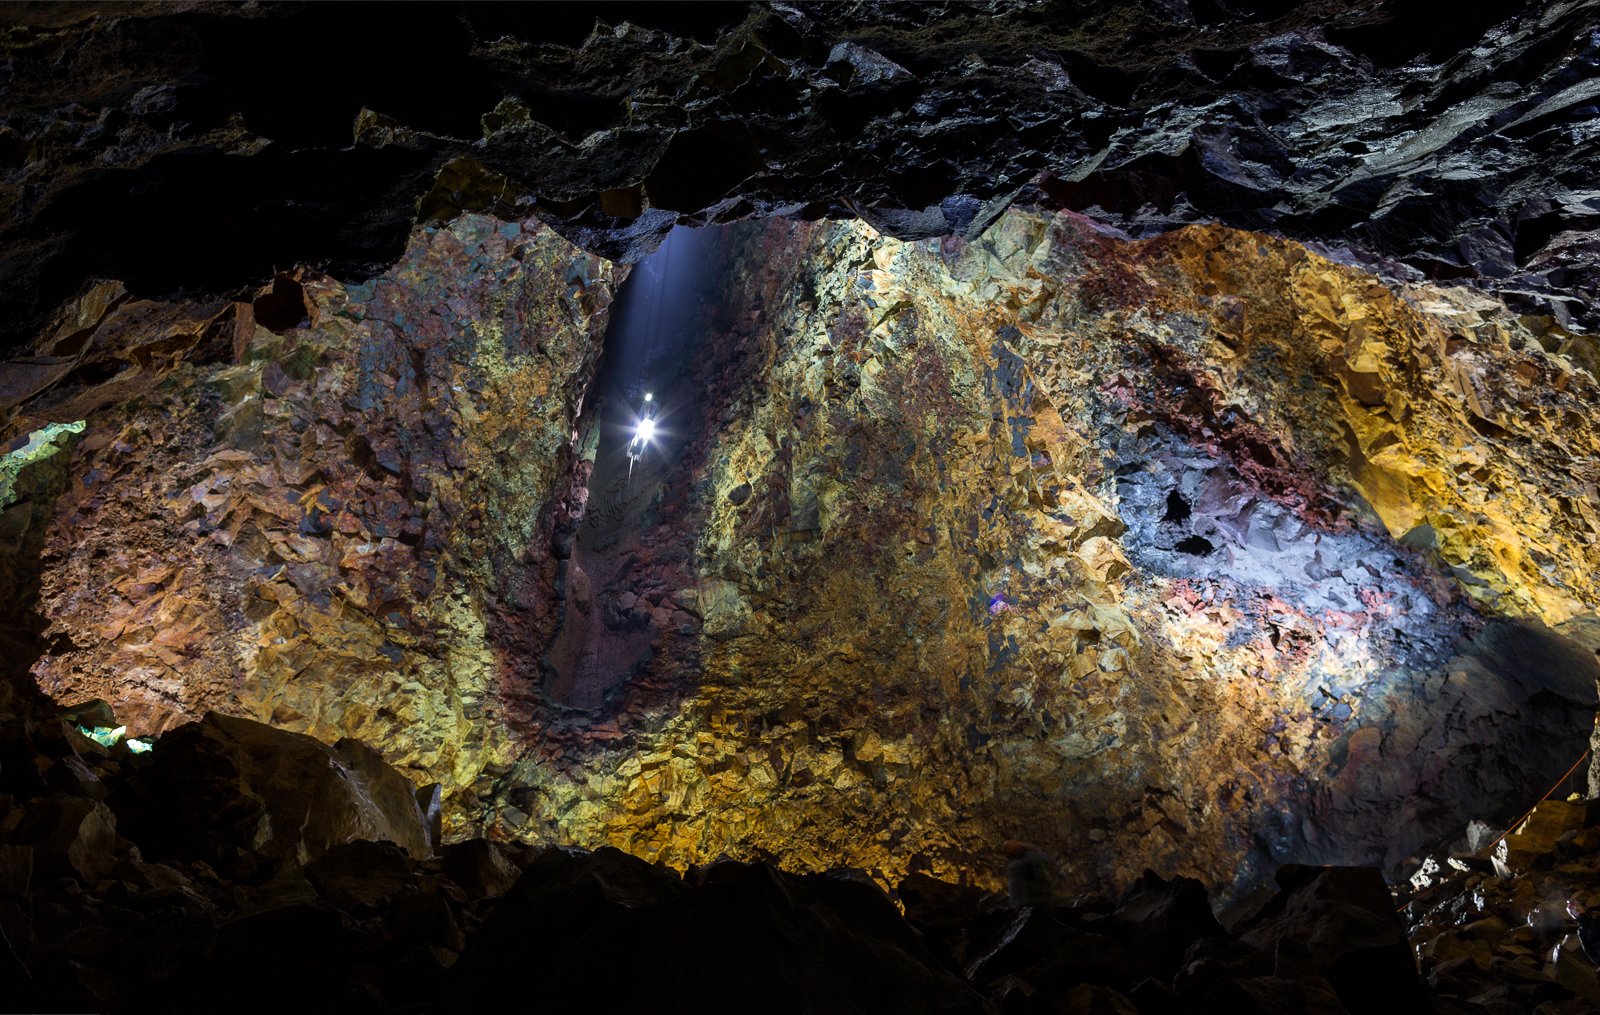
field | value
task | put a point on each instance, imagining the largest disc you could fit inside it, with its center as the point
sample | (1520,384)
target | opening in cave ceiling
(876,476)
(611,585)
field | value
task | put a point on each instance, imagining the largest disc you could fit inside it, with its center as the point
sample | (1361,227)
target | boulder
(94,713)
(229,790)
(358,876)
(482,868)
(1093,999)
(750,939)
(1339,924)
(70,775)
(950,917)
(1537,835)
(1158,920)
(71,836)
(1050,956)
(415,917)
(282,958)
(1272,995)
(16,869)
(1567,965)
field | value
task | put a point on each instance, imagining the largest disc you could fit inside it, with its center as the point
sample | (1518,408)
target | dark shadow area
(23,522)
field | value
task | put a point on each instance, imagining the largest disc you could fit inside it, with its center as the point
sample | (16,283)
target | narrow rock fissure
(614,603)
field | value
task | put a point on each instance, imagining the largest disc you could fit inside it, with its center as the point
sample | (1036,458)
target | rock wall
(1201,553)
(1179,554)
(319,534)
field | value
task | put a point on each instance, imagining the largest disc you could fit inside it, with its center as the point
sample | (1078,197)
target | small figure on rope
(643,431)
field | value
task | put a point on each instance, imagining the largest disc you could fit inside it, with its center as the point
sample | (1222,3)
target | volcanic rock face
(1200,554)
(1067,537)
(1461,143)
(312,536)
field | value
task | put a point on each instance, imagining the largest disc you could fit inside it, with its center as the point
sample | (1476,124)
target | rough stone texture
(1173,549)
(75,835)
(1201,553)
(1461,143)
(1063,537)
(367,927)
(815,943)
(228,790)
(1509,924)
(33,475)
(1339,923)
(319,534)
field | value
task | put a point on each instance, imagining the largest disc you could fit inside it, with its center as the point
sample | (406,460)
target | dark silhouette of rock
(16,869)
(1093,999)
(358,876)
(71,837)
(416,917)
(1160,919)
(1049,956)
(1339,923)
(484,869)
(953,919)
(751,938)
(278,958)
(239,794)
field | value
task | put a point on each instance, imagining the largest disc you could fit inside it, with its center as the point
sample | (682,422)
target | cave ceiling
(192,149)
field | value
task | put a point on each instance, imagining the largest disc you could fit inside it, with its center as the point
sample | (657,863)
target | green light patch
(105,736)
(42,443)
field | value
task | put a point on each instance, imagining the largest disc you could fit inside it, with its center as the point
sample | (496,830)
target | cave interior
(1012,506)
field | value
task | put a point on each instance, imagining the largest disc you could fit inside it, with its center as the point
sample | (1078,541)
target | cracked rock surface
(196,148)
(1201,554)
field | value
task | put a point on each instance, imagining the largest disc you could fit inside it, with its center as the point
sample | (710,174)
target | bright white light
(647,429)
(648,396)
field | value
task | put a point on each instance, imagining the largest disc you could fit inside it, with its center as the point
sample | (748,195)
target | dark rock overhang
(192,149)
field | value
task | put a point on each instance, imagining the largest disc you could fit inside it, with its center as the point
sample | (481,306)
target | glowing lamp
(648,396)
(646,430)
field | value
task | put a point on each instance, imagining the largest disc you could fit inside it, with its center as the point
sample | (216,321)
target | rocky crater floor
(234,853)
(250,867)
